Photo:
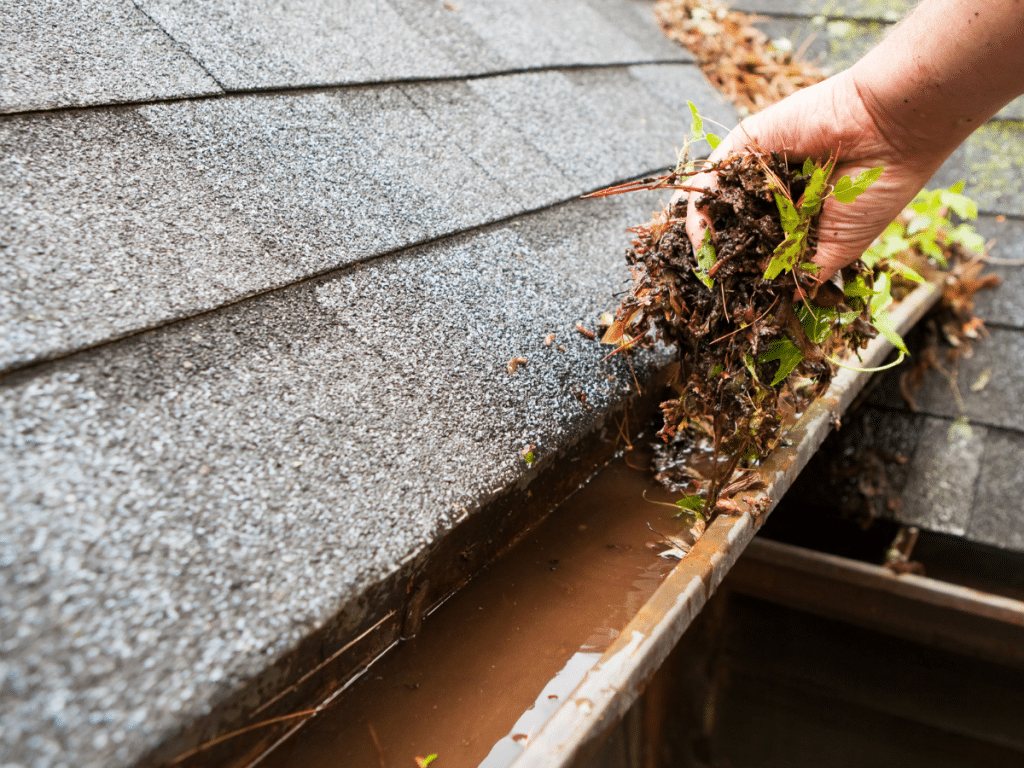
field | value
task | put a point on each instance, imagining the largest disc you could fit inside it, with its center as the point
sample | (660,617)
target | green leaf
(889,246)
(788,216)
(817,322)
(894,229)
(957,188)
(868,177)
(808,167)
(857,288)
(706,258)
(965,207)
(884,323)
(931,248)
(906,271)
(713,140)
(882,296)
(785,257)
(717,369)
(871,257)
(845,318)
(928,202)
(880,316)
(841,191)
(847,190)
(921,223)
(968,238)
(697,126)
(788,355)
(814,193)
(693,505)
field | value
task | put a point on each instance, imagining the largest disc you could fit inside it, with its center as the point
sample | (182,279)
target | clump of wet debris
(754,72)
(751,350)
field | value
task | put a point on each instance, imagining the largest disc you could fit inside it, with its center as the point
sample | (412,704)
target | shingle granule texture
(182,507)
(55,53)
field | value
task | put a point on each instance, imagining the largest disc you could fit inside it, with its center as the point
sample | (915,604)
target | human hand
(832,118)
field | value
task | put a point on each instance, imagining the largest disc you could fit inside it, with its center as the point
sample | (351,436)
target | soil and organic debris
(739,59)
(953,321)
(873,493)
(726,413)
(753,342)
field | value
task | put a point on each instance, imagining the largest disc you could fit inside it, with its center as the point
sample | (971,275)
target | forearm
(943,71)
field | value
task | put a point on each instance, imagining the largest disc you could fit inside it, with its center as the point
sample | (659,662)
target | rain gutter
(577,728)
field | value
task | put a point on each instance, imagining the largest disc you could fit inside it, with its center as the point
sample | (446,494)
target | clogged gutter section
(575,731)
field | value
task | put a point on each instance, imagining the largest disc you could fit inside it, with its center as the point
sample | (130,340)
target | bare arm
(906,105)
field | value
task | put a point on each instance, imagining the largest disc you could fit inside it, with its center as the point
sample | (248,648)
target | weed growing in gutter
(757,337)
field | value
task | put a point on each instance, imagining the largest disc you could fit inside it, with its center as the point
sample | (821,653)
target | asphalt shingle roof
(259,299)
(256,347)
(118,220)
(57,54)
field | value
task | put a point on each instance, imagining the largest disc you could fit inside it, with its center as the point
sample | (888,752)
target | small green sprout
(528,454)
(796,217)
(706,258)
(692,506)
(928,230)
(423,762)
(697,131)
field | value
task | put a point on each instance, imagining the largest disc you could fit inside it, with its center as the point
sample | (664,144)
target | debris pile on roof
(752,71)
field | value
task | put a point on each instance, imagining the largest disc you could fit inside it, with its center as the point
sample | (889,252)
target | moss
(994,162)
(887,10)
(849,40)
(1012,111)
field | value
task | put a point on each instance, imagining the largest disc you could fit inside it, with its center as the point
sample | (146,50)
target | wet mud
(496,659)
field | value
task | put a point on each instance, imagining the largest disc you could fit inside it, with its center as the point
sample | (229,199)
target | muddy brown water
(492,663)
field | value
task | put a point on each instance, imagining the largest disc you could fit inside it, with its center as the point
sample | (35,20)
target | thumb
(697,222)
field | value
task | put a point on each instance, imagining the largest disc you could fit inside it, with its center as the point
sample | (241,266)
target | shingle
(263,44)
(117,220)
(519,170)
(266,45)
(671,87)
(532,33)
(998,517)
(636,20)
(106,227)
(60,54)
(939,494)
(997,361)
(850,9)
(180,508)
(598,127)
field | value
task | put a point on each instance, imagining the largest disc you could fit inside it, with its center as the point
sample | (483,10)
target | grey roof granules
(184,506)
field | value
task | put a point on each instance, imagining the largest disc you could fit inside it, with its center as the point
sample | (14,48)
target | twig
(376,745)
(213,742)
(733,333)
